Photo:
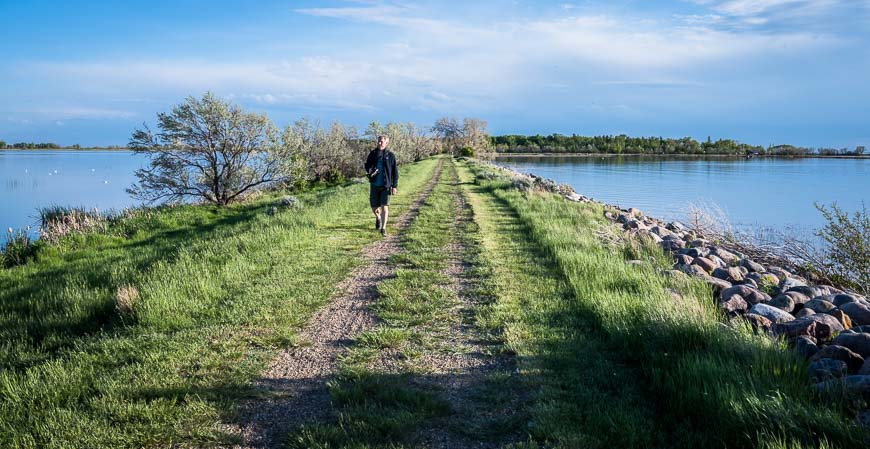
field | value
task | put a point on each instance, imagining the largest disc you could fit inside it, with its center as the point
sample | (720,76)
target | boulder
(758,322)
(673,245)
(703,262)
(842,318)
(676,226)
(661,231)
(683,259)
(812,292)
(799,298)
(779,272)
(765,279)
(859,313)
(729,274)
(856,384)
(806,346)
(729,257)
(719,262)
(752,266)
(859,343)
(788,283)
(698,252)
(771,313)
(865,368)
(825,369)
(734,304)
(865,329)
(750,283)
(803,326)
(718,285)
(783,302)
(804,313)
(852,360)
(828,320)
(749,294)
(819,305)
(843,298)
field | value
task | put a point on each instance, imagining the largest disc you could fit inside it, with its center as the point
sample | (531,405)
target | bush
(18,247)
(848,240)
(58,222)
(466,152)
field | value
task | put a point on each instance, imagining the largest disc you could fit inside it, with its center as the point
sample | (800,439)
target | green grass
(620,356)
(219,292)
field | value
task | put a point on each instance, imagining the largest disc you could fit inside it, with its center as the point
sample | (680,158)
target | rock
(857,384)
(697,243)
(859,343)
(729,257)
(290,201)
(819,305)
(719,262)
(635,212)
(771,313)
(272,210)
(758,322)
(842,318)
(779,272)
(750,283)
(782,302)
(705,263)
(858,312)
(676,226)
(824,369)
(803,326)
(682,259)
(621,218)
(843,298)
(718,285)
(734,304)
(749,294)
(765,279)
(660,231)
(674,274)
(812,292)
(865,368)
(852,360)
(698,252)
(831,322)
(673,244)
(730,274)
(865,329)
(806,346)
(788,283)
(799,298)
(753,267)
(804,313)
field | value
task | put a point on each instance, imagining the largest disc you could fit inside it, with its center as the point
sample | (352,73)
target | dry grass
(126,299)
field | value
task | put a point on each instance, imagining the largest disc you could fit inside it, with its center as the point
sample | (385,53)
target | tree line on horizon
(623,144)
(53,146)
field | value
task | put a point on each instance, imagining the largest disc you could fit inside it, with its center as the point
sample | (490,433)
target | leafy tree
(208,150)
(2,144)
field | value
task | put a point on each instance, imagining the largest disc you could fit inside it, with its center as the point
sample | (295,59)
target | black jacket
(391,173)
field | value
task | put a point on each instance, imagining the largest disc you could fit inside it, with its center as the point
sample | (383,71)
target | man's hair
(385,137)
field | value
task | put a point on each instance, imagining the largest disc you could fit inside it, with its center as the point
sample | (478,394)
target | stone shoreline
(826,325)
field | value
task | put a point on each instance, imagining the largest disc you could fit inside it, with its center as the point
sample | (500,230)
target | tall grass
(145,333)
(625,357)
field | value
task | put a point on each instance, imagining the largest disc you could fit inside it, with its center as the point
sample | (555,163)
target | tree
(475,135)
(210,150)
(448,131)
(2,144)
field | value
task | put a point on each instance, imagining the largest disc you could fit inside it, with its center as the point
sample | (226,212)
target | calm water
(755,193)
(33,179)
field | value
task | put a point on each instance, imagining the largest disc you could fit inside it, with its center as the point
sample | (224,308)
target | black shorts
(379,196)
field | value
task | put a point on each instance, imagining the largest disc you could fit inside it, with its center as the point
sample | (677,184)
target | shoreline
(664,155)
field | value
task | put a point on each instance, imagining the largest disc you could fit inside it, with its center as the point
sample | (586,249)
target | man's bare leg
(377,212)
(384,214)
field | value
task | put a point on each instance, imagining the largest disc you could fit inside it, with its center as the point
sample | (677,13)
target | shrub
(466,152)
(18,247)
(848,239)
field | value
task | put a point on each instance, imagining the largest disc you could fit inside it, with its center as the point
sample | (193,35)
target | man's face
(382,142)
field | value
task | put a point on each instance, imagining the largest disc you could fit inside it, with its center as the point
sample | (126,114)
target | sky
(760,71)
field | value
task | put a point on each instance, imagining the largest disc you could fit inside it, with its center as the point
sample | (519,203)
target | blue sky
(761,71)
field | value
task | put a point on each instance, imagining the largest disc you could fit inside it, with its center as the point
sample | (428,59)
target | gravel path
(294,385)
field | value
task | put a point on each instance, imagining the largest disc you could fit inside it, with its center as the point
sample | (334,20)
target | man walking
(384,177)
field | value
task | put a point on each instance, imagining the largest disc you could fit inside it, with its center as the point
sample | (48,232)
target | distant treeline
(622,144)
(52,146)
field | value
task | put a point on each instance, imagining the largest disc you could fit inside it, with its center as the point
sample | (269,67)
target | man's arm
(370,163)
(395,173)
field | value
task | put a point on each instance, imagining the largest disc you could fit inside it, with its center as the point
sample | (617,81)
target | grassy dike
(219,291)
(617,355)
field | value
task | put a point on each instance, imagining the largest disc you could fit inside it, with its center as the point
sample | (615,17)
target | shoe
(384,232)
(377,223)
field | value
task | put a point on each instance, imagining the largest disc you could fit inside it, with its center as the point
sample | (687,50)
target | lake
(32,179)
(758,193)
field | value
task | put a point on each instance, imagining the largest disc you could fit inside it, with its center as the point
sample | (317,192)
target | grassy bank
(620,356)
(218,292)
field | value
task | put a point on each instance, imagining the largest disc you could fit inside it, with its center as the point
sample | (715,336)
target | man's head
(383,141)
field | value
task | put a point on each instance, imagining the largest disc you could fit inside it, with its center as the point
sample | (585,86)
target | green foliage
(848,246)
(18,248)
(466,152)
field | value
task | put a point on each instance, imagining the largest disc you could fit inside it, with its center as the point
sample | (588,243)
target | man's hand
(393,191)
